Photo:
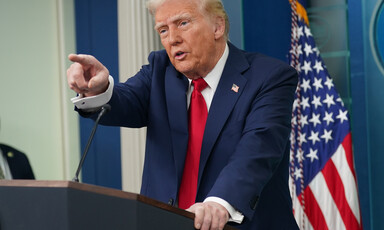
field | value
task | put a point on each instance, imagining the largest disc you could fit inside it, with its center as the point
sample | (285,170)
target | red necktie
(197,117)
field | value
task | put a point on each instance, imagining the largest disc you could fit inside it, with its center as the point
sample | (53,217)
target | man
(14,164)
(242,170)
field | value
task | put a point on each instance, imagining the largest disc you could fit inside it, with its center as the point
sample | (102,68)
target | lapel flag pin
(10,154)
(235,88)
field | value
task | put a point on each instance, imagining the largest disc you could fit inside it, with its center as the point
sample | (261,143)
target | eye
(184,23)
(162,31)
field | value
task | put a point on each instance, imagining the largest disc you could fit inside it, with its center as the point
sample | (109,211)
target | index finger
(81,58)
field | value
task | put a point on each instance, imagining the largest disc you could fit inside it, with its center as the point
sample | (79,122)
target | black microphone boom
(104,109)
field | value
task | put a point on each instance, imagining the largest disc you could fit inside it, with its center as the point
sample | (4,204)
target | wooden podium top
(99,190)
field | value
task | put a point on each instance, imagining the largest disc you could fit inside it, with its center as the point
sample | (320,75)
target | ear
(219,27)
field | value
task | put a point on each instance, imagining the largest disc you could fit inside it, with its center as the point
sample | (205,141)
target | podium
(67,205)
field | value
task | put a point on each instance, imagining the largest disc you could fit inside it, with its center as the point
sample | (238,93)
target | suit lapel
(223,101)
(176,86)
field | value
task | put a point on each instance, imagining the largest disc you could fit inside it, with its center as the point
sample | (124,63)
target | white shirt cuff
(234,215)
(96,101)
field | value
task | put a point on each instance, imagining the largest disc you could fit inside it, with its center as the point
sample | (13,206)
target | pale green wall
(36,114)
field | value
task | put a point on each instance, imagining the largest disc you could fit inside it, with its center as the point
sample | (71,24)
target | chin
(186,70)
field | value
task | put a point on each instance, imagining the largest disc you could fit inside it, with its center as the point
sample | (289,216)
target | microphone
(104,109)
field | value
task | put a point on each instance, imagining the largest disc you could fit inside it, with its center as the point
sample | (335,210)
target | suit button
(170,202)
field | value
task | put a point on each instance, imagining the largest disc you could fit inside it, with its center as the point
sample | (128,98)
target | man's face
(189,37)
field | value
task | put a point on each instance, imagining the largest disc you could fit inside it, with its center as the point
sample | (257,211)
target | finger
(220,216)
(73,86)
(74,57)
(75,76)
(199,211)
(82,59)
(216,216)
(207,221)
(224,217)
(215,221)
(222,223)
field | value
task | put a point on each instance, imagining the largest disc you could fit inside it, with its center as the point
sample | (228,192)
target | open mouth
(180,55)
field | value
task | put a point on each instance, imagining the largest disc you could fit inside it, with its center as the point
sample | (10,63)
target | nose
(174,36)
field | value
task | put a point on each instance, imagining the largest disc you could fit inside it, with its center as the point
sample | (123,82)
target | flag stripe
(313,211)
(348,180)
(336,188)
(298,212)
(325,201)
(347,145)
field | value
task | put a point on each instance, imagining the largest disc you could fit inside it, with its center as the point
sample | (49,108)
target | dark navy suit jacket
(245,150)
(18,163)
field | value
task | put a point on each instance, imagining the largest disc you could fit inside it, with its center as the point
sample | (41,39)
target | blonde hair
(210,8)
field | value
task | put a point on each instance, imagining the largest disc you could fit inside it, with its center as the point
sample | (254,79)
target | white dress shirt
(5,167)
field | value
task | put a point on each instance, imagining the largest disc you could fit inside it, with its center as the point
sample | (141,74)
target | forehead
(173,9)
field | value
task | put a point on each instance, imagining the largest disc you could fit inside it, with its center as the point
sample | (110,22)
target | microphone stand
(104,109)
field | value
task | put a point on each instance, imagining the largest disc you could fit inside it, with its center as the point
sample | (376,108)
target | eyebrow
(173,19)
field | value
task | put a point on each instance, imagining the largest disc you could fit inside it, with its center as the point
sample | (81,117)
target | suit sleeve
(130,99)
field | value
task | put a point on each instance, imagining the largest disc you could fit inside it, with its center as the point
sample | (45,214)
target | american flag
(322,176)
(235,88)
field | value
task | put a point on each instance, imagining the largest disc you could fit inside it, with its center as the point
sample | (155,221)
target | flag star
(305,85)
(328,117)
(293,48)
(298,67)
(300,32)
(316,50)
(329,100)
(304,102)
(318,66)
(316,101)
(300,155)
(314,137)
(301,138)
(307,31)
(299,50)
(306,67)
(329,83)
(293,120)
(327,135)
(342,116)
(341,101)
(308,49)
(312,154)
(303,120)
(315,119)
(296,49)
(317,84)
(298,173)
